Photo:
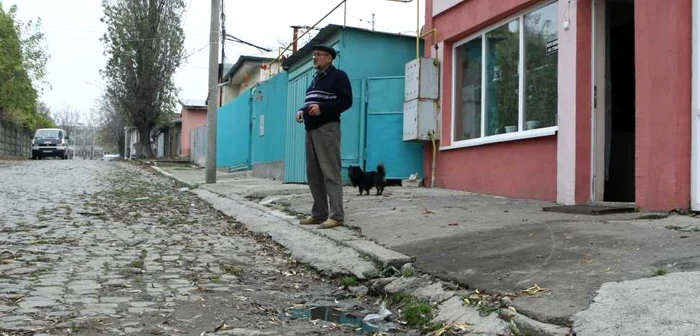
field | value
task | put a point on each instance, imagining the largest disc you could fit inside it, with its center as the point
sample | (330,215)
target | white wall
(440,6)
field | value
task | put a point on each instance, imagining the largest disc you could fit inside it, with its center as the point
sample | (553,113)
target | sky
(73,29)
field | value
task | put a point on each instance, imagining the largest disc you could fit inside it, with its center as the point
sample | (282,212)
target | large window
(506,78)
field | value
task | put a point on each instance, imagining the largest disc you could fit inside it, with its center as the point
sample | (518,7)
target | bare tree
(91,130)
(111,125)
(67,118)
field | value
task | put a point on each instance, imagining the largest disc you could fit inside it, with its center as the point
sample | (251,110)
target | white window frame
(521,134)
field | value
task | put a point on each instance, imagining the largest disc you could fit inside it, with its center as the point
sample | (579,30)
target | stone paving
(106,248)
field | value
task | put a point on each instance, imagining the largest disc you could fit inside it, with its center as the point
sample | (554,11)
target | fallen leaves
(535,289)
(453,328)
(587,259)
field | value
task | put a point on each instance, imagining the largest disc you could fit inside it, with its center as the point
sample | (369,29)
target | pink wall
(525,168)
(584,106)
(521,169)
(191,118)
(663,90)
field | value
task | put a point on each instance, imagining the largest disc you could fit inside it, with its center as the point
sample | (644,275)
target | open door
(614,102)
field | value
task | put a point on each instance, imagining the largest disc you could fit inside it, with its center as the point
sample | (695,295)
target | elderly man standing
(327,97)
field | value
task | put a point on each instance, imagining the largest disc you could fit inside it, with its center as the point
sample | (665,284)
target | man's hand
(314,110)
(300,116)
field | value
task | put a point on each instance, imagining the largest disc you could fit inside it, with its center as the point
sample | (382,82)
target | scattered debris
(536,289)
(587,259)
(331,314)
(223,327)
(407,270)
(687,228)
(377,321)
(453,328)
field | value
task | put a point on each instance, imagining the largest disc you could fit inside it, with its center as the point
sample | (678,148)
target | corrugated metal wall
(270,117)
(14,142)
(385,130)
(233,132)
(198,145)
(295,155)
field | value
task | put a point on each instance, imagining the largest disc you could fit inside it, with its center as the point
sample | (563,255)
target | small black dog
(366,180)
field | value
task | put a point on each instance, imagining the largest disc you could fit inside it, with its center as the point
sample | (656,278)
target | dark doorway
(620,104)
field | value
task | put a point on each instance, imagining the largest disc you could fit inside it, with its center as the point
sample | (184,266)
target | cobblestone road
(107,248)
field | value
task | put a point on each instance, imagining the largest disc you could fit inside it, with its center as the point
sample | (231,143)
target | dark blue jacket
(331,90)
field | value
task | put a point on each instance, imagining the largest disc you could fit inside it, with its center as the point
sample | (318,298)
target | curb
(343,236)
(451,310)
(424,287)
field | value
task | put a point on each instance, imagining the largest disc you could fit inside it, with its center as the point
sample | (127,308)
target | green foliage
(144,45)
(418,313)
(22,69)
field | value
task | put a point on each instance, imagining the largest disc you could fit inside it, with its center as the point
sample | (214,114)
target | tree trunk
(144,150)
(120,145)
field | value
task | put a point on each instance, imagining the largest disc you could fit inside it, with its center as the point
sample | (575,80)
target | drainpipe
(417,29)
(695,110)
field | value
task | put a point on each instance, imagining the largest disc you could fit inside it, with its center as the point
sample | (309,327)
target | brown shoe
(330,223)
(310,221)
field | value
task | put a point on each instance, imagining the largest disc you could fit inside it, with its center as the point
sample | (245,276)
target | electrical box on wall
(419,118)
(421,79)
(421,106)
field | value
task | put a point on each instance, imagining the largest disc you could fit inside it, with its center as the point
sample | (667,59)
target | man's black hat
(322,47)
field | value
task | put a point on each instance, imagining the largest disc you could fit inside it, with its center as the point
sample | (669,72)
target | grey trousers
(323,167)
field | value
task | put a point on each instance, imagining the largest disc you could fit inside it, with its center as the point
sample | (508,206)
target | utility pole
(372,21)
(223,51)
(210,163)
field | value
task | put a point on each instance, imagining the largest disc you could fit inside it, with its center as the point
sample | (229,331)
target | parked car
(110,157)
(50,142)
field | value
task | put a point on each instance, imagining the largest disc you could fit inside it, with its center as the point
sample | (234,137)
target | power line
(232,38)
(75,29)
(363,20)
(198,50)
(99,38)
(187,12)
(223,33)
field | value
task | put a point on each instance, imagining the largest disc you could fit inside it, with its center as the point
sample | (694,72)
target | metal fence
(14,142)
(198,145)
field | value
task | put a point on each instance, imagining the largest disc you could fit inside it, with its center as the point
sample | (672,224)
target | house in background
(247,72)
(131,138)
(167,138)
(571,101)
(257,130)
(193,115)
(251,129)
(372,129)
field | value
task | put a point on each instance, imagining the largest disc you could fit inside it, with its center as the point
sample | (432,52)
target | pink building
(569,101)
(194,114)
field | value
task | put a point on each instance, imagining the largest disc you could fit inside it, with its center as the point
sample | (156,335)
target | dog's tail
(381,171)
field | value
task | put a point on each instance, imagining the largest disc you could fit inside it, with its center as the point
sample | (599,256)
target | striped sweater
(331,90)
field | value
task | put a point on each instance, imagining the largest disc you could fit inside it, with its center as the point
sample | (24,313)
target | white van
(50,142)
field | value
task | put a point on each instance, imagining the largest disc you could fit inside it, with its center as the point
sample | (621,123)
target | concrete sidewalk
(506,246)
